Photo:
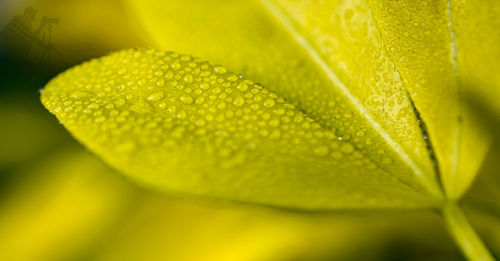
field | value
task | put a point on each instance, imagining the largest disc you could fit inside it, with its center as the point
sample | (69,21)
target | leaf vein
(307,46)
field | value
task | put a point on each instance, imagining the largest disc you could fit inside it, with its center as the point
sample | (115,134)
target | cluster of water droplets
(177,122)
(135,99)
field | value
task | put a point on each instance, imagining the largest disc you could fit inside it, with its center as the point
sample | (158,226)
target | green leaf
(384,77)
(428,49)
(181,124)
(392,63)
(259,40)
(360,104)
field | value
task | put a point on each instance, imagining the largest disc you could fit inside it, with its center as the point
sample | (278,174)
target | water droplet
(160,83)
(269,103)
(322,150)
(204,86)
(221,105)
(242,86)
(220,69)
(181,114)
(100,119)
(232,78)
(186,99)
(200,122)
(298,118)
(275,134)
(337,155)
(274,122)
(188,79)
(162,105)
(171,109)
(347,148)
(141,108)
(279,111)
(264,132)
(266,116)
(93,106)
(156,96)
(200,100)
(175,66)
(239,101)
(80,94)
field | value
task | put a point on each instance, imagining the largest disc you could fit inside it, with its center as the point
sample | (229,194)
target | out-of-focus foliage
(26,132)
(78,209)
(60,203)
(481,202)
(248,233)
(63,205)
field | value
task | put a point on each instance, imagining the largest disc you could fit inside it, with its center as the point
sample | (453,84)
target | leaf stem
(464,234)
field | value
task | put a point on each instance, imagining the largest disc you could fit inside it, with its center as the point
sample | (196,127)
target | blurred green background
(59,202)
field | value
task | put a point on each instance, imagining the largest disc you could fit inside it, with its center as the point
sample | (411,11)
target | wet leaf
(352,104)
(427,45)
(383,77)
(398,63)
(181,124)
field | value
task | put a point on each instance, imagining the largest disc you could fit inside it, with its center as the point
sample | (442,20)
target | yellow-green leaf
(181,124)
(359,98)
(387,58)
(429,52)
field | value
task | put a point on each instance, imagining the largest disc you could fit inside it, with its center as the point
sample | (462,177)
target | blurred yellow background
(59,202)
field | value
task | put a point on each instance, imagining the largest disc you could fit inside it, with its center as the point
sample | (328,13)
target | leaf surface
(260,41)
(423,41)
(181,124)
(400,67)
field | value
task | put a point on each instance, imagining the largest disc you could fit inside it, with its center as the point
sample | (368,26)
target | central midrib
(430,185)
(454,63)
